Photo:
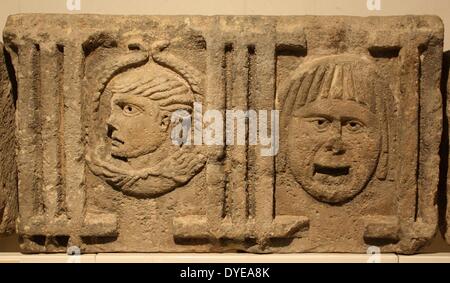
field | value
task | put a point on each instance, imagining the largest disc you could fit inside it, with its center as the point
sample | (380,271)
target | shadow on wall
(444,215)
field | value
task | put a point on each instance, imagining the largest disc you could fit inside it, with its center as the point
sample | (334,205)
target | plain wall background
(233,7)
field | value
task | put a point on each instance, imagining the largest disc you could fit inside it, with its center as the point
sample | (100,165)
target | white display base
(223,258)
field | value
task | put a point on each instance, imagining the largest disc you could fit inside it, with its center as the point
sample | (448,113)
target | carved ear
(383,162)
(165,122)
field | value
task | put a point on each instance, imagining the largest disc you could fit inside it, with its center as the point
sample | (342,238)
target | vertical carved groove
(216,183)
(51,72)
(236,134)
(61,205)
(274,160)
(227,78)
(72,123)
(264,183)
(39,205)
(410,97)
(420,59)
(419,75)
(249,157)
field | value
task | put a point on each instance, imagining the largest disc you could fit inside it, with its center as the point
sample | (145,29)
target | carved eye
(131,110)
(354,126)
(321,123)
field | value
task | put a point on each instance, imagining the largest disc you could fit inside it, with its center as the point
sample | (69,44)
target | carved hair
(156,83)
(343,77)
(119,64)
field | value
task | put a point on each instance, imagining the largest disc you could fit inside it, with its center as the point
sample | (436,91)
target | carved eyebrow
(121,101)
(331,117)
(349,118)
(314,115)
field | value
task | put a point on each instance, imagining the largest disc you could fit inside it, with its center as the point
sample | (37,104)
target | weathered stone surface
(8,171)
(360,128)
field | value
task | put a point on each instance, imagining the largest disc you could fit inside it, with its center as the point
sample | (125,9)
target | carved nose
(111,122)
(110,126)
(335,145)
(109,130)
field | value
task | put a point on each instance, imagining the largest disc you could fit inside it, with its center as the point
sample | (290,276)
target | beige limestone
(360,129)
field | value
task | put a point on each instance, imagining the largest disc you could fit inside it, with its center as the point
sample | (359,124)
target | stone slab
(351,162)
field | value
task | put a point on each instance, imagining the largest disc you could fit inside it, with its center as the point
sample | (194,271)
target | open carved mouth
(334,171)
(115,141)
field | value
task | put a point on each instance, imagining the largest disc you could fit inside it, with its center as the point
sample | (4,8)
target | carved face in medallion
(139,123)
(334,139)
(135,154)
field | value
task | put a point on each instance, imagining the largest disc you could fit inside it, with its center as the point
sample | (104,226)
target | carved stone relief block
(359,130)
(354,164)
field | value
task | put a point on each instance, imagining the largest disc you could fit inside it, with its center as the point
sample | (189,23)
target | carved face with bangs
(334,130)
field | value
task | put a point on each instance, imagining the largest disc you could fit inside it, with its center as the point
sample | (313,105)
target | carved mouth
(335,171)
(116,142)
